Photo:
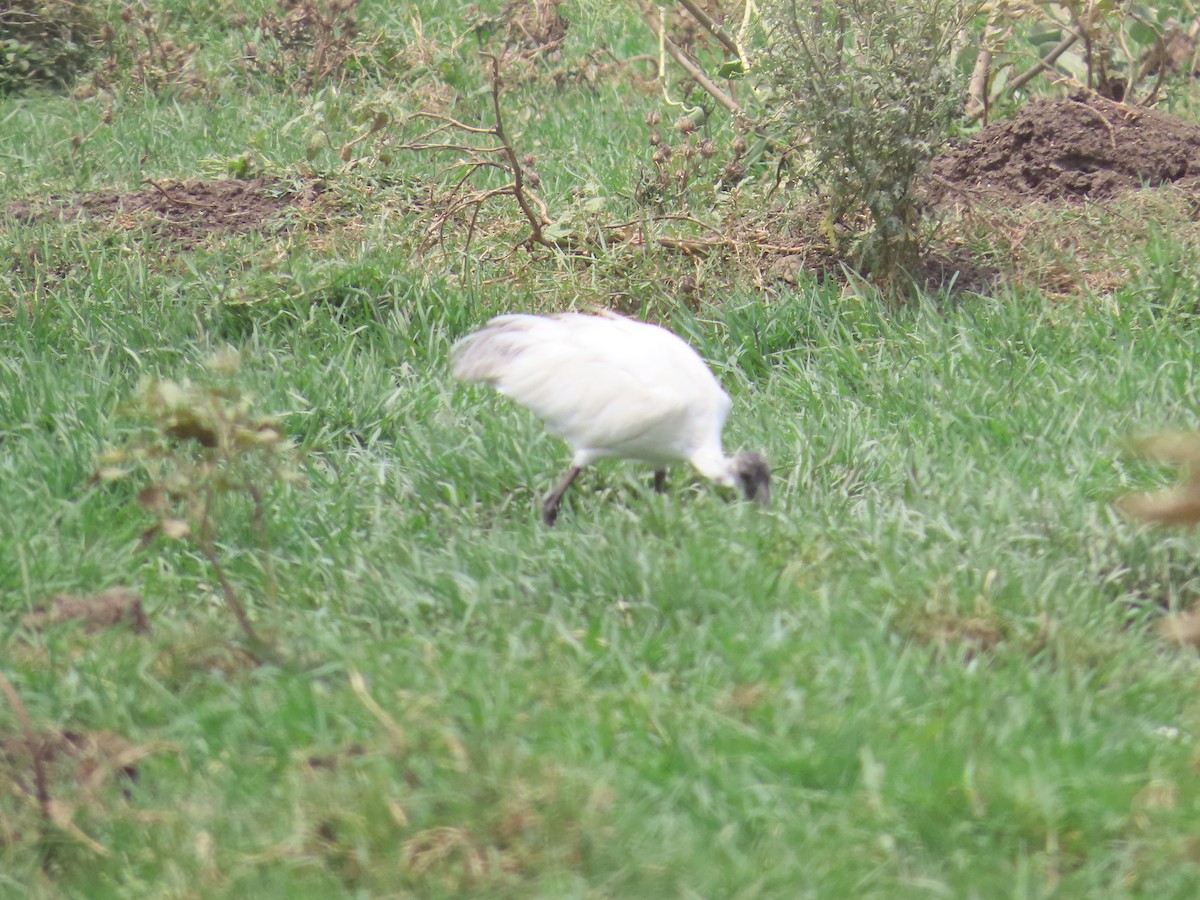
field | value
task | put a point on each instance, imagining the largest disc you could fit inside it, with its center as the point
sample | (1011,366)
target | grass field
(930,669)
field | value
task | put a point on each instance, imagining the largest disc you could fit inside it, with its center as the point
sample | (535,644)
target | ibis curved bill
(611,387)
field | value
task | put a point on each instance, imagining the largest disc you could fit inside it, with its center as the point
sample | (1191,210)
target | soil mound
(185,212)
(1073,150)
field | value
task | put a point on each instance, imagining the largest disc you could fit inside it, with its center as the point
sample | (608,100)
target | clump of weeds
(206,459)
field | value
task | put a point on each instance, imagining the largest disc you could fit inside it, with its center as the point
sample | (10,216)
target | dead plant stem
(536,222)
(25,721)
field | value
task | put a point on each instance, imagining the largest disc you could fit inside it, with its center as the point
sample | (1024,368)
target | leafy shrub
(44,41)
(872,87)
(204,457)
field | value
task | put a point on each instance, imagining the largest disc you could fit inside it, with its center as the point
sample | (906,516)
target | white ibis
(611,387)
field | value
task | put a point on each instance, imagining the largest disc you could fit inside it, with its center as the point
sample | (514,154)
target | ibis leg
(660,481)
(550,506)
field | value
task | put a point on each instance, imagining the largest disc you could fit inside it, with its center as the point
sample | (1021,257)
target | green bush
(872,87)
(44,41)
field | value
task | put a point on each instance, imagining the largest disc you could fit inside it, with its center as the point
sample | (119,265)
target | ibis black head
(753,476)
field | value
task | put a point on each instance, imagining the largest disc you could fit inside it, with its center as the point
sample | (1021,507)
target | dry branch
(712,26)
(457,197)
(536,221)
(977,98)
(690,67)
(33,744)
(501,155)
(1045,64)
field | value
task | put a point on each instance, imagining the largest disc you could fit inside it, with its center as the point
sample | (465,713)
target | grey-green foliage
(44,41)
(873,87)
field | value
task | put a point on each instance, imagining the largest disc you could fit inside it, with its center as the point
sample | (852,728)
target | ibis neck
(714,465)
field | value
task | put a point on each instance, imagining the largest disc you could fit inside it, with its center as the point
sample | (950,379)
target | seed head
(685,125)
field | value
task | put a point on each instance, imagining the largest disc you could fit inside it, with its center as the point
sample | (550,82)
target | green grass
(929,669)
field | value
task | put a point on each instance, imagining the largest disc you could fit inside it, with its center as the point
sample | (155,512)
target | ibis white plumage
(611,387)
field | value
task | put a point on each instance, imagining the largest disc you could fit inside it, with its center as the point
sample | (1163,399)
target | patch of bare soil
(1081,148)
(107,609)
(186,213)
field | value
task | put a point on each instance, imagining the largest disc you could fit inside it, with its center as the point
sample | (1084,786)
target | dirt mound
(187,213)
(1075,149)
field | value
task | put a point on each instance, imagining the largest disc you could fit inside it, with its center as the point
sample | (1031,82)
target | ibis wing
(609,387)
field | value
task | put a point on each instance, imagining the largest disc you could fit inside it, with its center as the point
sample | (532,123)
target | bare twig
(692,69)
(462,148)
(455,199)
(231,598)
(34,745)
(536,222)
(1158,57)
(378,124)
(693,246)
(203,541)
(176,200)
(453,123)
(977,97)
(1042,65)
(665,217)
(712,26)
(502,155)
